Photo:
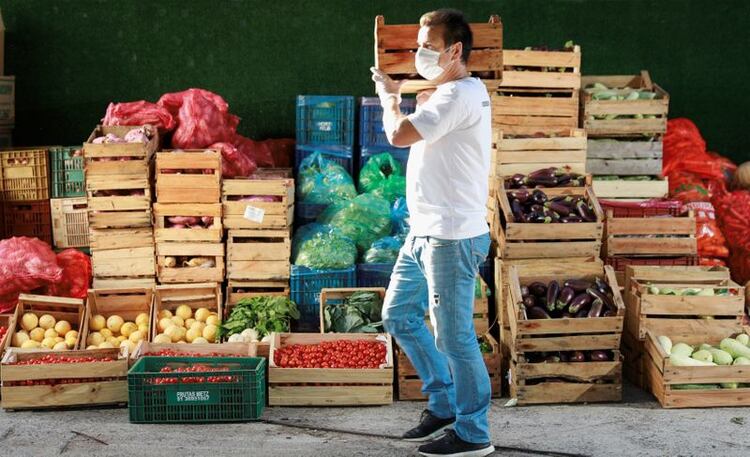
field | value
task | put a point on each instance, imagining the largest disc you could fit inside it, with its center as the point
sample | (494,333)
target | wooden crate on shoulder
(395,46)
(102,382)
(277,214)
(410,386)
(528,111)
(181,176)
(126,303)
(71,310)
(70,222)
(118,159)
(261,255)
(164,230)
(341,386)
(525,154)
(169,297)
(176,262)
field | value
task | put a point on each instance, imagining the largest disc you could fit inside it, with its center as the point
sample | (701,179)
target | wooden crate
(118,159)
(70,222)
(121,238)
(259,255)
(395,46)
(341,386)
(621,189)
(185,274)
(337,297)
(663,313)
(634,359)
(118,211)
(135,262)
(276,215)
(525,111)
(9,322)
(105,382)
(124,282)
(237,289)
(145,348)
(126,303)
(650,236)
(169,297)
(410,386)
(181,176)
(567,149)
(61,308)
(624,158)
(528,68)
(662,377)
(163,232)
(644,117)
(521,240)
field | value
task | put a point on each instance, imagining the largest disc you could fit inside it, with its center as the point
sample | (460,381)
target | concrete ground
(637,427)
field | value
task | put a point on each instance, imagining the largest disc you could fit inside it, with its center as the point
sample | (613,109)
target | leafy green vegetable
(363,219)
(323,247)
(484,346)
(359,313)
(265,314)
(323,181)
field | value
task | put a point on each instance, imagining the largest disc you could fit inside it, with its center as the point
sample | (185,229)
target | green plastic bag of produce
(383,176)
(323,247)
(383,250)
(323,181)
(364,219)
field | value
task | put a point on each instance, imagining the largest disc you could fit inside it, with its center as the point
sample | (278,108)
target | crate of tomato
(332,369)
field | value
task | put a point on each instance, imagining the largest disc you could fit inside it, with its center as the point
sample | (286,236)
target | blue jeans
(440,275)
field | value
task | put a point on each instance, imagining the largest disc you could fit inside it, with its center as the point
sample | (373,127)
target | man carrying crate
(447,188)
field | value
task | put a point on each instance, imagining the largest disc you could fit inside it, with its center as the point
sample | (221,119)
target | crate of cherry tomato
(43,379)
(196,389)
(148,349)
(330,369)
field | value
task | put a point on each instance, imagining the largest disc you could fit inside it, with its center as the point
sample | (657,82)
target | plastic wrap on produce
(383,250)
(322,181)
(384,176)
(258,151)
(323,247)
(364,219)
(203,118)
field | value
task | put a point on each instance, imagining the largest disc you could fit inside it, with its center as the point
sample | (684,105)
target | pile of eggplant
(545,177)
(570,356)
(534,206)
(573,298)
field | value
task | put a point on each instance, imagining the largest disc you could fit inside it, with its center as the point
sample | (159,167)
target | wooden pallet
(70,222)
(202,295)
(118,159)
(650,236)
(163,232)
(333,297)
(662,377)
(410,386)
(126,303)
(395,46)
(521,240)
(276,215)
(61,308)
(106,382)
(526,111)
(629,126)
(624,158)
(567,149)
(341,387)
(663,313)
(261,255)
(621,189)
(181,177)
(528,69)
(189,274)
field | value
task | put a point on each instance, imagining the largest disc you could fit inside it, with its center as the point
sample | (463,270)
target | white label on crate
(325,126)
(254,214)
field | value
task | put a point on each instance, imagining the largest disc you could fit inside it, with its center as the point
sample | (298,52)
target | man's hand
(385,86)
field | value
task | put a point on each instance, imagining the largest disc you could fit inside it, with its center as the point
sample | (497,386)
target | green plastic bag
(323,181)
(323,247)
(364,219)
(383,176)
(383,250)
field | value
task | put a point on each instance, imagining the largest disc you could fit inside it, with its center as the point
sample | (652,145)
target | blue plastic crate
(374,274)
(342,155)
(371,131)
(304,213)
(400,154)
(306,284)
(325,120)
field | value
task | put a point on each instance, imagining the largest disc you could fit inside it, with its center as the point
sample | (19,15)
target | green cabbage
(363,219)
(323,247)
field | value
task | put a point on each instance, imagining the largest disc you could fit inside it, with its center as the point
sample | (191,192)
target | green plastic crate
(67,173)
(241,399)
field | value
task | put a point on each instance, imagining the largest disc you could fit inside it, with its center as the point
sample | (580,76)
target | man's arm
(398,129)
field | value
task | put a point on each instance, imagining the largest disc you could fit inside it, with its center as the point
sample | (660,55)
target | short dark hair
(455,28)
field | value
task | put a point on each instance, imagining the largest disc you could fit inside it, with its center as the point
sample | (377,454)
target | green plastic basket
(67,173)
(237,400)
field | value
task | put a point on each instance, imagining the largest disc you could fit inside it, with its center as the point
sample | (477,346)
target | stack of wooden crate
(625,118)
(70,219)
(118,194)
(25,191)
(258,215)
(187,217)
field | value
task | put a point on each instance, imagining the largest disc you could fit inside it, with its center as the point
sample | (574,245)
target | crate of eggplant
(553,222)
(565,335)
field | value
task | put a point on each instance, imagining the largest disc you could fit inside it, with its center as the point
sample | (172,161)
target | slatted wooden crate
(123,257)
(624,158)
(118,159)
(624,118)
(333,297)
(200,295)
(277,214)
(9,322)
(395,46)
(70,222)
(101,382)
(238,289)
(535,383)
(118,201)
(530,68)
(664,379)
(663,313)
(650,236)
(410,386)
(261,255)
(181,271)
(145,348)
(623,189)
(61,308)
(527,111)
(164,230)
(188,176)
(124,302)
(521,240)
(511,155)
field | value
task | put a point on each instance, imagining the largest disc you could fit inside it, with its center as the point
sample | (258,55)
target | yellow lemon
(29,321)
(142,318)
(97,322)
(209,333)
(192,334)
(37,334)
(143,328)
(49,342)
(31,344)
(47,321)
(184,311)
(106,333)
(72,334)
(189,323)
(136,336)
(162,339)
(19,338)
(174,333)
(128,328)
(114,323)
(62,327)
(178,321)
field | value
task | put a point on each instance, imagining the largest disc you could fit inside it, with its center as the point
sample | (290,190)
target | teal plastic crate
(67,172)
(159,398)
(306,284)
(325,120)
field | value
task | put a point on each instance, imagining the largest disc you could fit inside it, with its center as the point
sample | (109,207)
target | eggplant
(522,195)
(558,199)
(596,309)
(585,212)
(553,291)
(517,209)
(566,315)
(529,301)
(537,288)
(524,291)
(584,312)
(609,303)
(536,208)
(559,208)
(542,181)
(570,219)
(577,356)
(538,218)
(563,180)
(564,357)
(602,286)
(543,173)
(579,285)
(539,197)
(608,313)
(578,302)
(537,313)
(566,295)
(599,356)
(516,180)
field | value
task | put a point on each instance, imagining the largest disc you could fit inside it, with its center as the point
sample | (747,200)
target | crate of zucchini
(566,333)
(625,168)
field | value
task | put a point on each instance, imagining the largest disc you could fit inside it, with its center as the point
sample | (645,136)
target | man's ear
(458,50)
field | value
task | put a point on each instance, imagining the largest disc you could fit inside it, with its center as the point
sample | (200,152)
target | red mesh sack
(140,113)
(733,213)
(257,151)
(173,101)
(25,264)
(712,245)
(202,116)
(234,164)
(76,275)
(282,151)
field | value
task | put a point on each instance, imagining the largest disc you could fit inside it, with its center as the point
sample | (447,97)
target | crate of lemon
(187,313)
(117,318)
(44,322)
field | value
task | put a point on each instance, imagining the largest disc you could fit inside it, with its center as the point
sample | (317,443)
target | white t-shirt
(447,172)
